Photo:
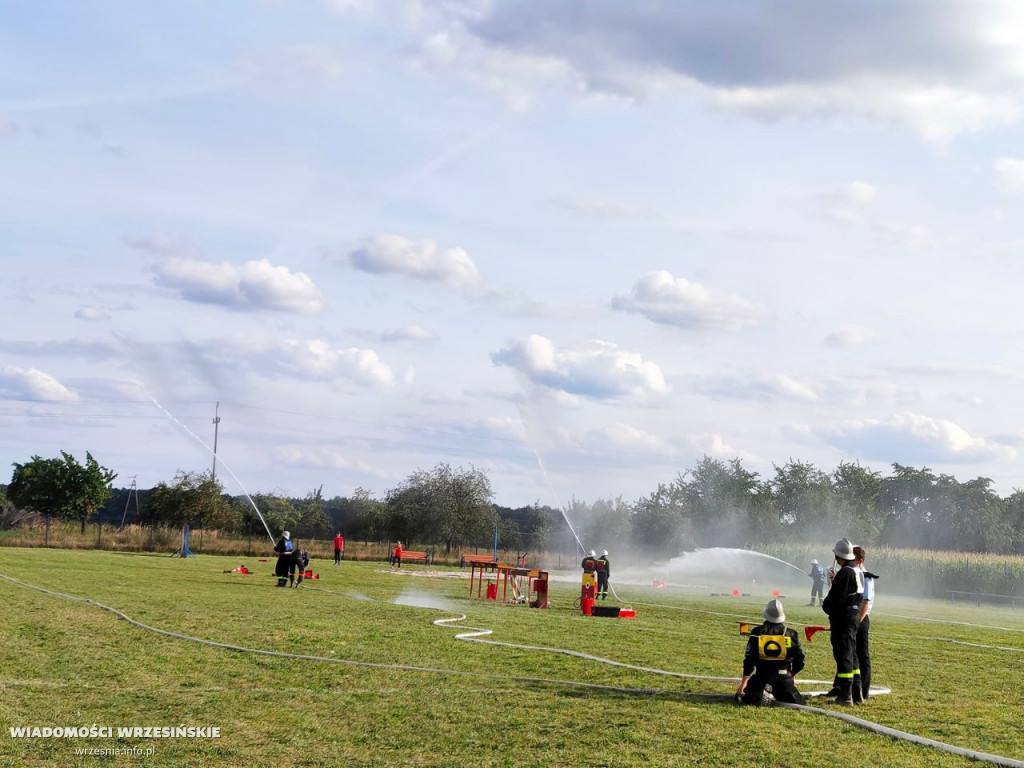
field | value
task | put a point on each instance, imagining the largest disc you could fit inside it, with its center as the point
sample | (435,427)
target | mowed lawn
(421,697)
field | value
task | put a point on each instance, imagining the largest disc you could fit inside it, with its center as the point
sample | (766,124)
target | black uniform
(817,574)
(603,572)
(284,549)
(772,658)
(589,564)
(842,604)
(299,561)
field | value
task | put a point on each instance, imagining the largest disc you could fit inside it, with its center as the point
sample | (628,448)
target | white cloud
(255,285)
(91,314)
(393,254)
(320,458)
(851,336)
(407,333)
(1010,174)
(32,384)
(760,386)
(851,202)
(596,369)
(942,69)
(715,446)
(316,359)
(669,300)
(905,237)
(914,439)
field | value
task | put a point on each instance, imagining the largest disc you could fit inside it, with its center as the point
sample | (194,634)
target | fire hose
(477,634)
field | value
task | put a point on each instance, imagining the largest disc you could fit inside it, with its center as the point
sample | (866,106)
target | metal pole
(216,428)
(129,500)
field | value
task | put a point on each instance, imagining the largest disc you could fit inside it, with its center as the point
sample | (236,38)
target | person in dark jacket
(284,548)
(772,658)
(589,563)
(604,570)
(817,573)
(299,562)
(842,604)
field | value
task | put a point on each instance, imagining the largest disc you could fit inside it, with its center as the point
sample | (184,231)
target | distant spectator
(397,557)
(339,547)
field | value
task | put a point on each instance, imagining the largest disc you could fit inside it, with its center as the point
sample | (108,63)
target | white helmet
(286,535)
(593,553)
(814,562)
(843,549)
(774,612)
(604,553)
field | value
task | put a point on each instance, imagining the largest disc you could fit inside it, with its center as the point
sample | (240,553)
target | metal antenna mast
(216,427)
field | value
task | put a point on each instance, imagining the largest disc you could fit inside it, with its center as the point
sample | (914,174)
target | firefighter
(590,562)
(603,572)
(842,604)
(817,574)
(284,549)
(772,658)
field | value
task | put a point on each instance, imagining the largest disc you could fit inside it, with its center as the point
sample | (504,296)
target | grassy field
(418,696)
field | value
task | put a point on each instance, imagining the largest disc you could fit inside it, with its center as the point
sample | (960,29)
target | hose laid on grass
(476,634)
(348,662)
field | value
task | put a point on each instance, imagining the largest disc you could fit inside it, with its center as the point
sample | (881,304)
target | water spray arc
(199,440)
(547,478)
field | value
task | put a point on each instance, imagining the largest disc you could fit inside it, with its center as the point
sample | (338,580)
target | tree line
(714,503)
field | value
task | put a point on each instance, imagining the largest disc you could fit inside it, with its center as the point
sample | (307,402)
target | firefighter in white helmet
(773,656)
(842,604)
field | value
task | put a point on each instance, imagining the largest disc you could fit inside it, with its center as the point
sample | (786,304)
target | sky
(577,244)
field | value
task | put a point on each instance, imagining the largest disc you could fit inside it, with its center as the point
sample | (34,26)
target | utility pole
(213,474)
(216,428)
(133,491)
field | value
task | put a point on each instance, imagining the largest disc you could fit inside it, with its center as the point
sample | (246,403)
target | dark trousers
(843,628)
(783,688)
(281,569)
(817,590)
(337,556)
(864,654)
(602,584)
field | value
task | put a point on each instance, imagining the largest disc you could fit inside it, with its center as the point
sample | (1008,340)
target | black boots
(845,695)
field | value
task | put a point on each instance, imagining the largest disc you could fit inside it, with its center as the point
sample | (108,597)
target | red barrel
(492,591)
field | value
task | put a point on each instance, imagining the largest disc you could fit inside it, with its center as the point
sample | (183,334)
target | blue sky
(576,244)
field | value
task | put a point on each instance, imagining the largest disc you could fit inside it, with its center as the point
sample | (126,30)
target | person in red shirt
(397,559)
(339,547)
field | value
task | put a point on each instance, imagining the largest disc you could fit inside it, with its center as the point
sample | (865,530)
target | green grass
(66,663)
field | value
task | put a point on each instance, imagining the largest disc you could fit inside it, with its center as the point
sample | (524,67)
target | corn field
(969,576)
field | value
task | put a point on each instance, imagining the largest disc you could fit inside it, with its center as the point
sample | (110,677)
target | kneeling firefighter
(772,658)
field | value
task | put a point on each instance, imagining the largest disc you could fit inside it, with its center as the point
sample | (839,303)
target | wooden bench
(470,559)
(411,556)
